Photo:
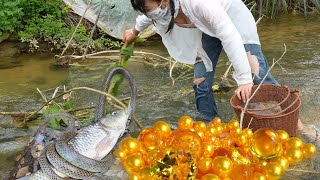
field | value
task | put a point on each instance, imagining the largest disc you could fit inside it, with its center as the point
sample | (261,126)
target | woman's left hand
(243,91)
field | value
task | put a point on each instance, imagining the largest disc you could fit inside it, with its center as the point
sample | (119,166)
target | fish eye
(114,113)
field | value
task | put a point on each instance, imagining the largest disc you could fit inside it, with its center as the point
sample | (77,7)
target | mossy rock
(4,37)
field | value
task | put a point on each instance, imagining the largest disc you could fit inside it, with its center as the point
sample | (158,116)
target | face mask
(163,16)
(159,13)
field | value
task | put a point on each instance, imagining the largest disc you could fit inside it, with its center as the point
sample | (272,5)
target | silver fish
(76,159)
(97,140)
(63,166)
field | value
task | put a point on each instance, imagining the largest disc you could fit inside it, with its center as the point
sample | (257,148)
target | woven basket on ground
(286,119)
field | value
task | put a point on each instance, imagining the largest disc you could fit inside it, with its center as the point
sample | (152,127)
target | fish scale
(88,138)
(64,166)
(96,141)
(76,159)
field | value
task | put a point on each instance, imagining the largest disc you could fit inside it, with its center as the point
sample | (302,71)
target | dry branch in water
(246,105)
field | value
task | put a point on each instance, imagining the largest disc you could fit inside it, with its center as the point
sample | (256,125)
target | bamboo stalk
(92,31)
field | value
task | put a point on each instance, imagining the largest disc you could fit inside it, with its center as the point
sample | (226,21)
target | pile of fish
(85,153)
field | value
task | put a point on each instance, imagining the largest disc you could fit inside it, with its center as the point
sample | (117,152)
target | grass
(272,8)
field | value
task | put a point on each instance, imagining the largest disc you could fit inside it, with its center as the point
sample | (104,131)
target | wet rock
(4,37)
(8,55)
(22,172)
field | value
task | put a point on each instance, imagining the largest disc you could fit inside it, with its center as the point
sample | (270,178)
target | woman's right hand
(129,36)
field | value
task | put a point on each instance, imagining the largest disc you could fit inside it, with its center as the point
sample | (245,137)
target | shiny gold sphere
(130,144)
(241,172)
(134,176)
(208,149)
(235,131)
(185,122)
(163,127)
(188,142)
(233,123)
(210,176)
(294,155)
(274,170)
(248,132)
(282,161)
(294,142)
(222,166)
(212,131)
(135,162)
(204,165)
(308,150)
(283,135)
(265,143)
(200,134)
(150,138)
(241,139)
(259,176)
(199,126)
(215,120)
(120,153)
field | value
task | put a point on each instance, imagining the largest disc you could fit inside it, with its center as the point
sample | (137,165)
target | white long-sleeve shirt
(228,20)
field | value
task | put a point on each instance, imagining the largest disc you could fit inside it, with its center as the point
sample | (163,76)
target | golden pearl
(282,161)
(210,176)
(208,149)
(233,124)
(274,170)
(199,126)
(222,166)
(294,155)
(163,127)
(185,122)
(130,144)
(308,150)
(204,165)
(259,176)
(294,142)
(283,135)
(135,162)
(120,153)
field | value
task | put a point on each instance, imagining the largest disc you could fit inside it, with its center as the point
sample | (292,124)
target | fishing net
(116,15)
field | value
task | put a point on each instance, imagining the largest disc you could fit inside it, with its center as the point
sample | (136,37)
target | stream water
(20,75)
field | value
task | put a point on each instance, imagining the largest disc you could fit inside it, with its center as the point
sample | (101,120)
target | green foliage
(44,21)
(56,122)
(10,15)
(117,79)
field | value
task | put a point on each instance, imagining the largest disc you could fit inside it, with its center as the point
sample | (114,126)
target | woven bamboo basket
(266,92)
(286,119)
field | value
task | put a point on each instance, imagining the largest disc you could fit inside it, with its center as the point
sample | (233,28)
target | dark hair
(139,5)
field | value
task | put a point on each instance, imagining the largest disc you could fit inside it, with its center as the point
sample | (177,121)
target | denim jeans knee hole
(198,81)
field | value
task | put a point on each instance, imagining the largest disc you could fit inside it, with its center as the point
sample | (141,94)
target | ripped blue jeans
(205,101)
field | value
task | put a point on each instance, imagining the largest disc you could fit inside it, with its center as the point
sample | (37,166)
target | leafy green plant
(44,21)
(10,16)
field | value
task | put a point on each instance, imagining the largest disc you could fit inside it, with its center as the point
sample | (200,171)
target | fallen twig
(246,105)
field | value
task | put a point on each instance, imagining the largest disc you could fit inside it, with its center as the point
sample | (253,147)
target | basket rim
(281,115)
(263,109)
(278,113)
